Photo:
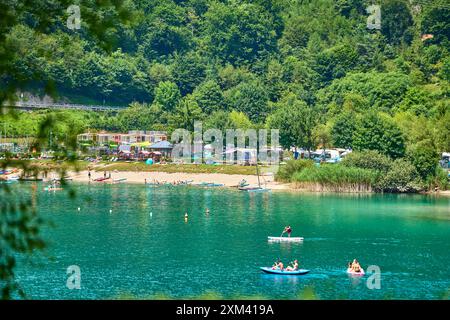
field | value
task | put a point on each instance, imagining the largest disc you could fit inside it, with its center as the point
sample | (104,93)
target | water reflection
(355,280)
(278,279)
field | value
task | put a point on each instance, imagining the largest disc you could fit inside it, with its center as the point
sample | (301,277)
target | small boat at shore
(53,189)
(6,181)
(285,239)
(28,179)
(102,179)
(118,180)
(254,189)
(210,184)
(7,171)
(284,272)
(249,188)
(60,179)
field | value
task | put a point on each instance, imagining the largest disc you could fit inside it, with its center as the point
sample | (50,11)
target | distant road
(67,106)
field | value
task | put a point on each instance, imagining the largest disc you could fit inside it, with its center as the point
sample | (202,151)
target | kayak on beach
(210,184)
(253,189)
(287,239)
(31,179)
(52,189)
(284,272)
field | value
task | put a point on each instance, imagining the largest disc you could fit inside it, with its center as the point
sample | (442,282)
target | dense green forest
(311,68)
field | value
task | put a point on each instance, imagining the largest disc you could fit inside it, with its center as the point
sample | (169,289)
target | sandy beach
(228,180)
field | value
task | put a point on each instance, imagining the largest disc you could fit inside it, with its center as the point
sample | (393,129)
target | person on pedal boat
(288,230)
(349,266)
(278,265)
(356,266)
(275,264)
(294,266)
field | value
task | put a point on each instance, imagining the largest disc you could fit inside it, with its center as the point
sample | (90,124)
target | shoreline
(228,180)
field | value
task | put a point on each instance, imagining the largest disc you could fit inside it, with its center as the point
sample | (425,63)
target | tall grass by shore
(335,178)
(364,171)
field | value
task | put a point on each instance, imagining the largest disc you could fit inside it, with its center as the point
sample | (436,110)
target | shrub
(424,158)
(402,177)
(439,179)
(369,159)
(286,172)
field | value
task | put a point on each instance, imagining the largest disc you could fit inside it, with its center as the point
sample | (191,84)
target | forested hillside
(309,67)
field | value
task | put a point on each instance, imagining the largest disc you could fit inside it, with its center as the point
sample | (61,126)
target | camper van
(445,160)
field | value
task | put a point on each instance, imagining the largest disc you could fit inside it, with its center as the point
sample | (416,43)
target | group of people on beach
(105,175)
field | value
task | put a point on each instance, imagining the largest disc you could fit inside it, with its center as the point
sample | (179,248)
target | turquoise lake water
(131,253)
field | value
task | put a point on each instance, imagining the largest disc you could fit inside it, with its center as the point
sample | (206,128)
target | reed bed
(336,178)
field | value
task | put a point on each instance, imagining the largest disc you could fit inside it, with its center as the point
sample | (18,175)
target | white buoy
(110,210)
(79,209)
(151,214)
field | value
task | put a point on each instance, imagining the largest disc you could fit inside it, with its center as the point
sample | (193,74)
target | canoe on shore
(119,180)
(31,179)
(253,189)
(60,179)
(52,189)
(285,239)
(284,272)
(210,184)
